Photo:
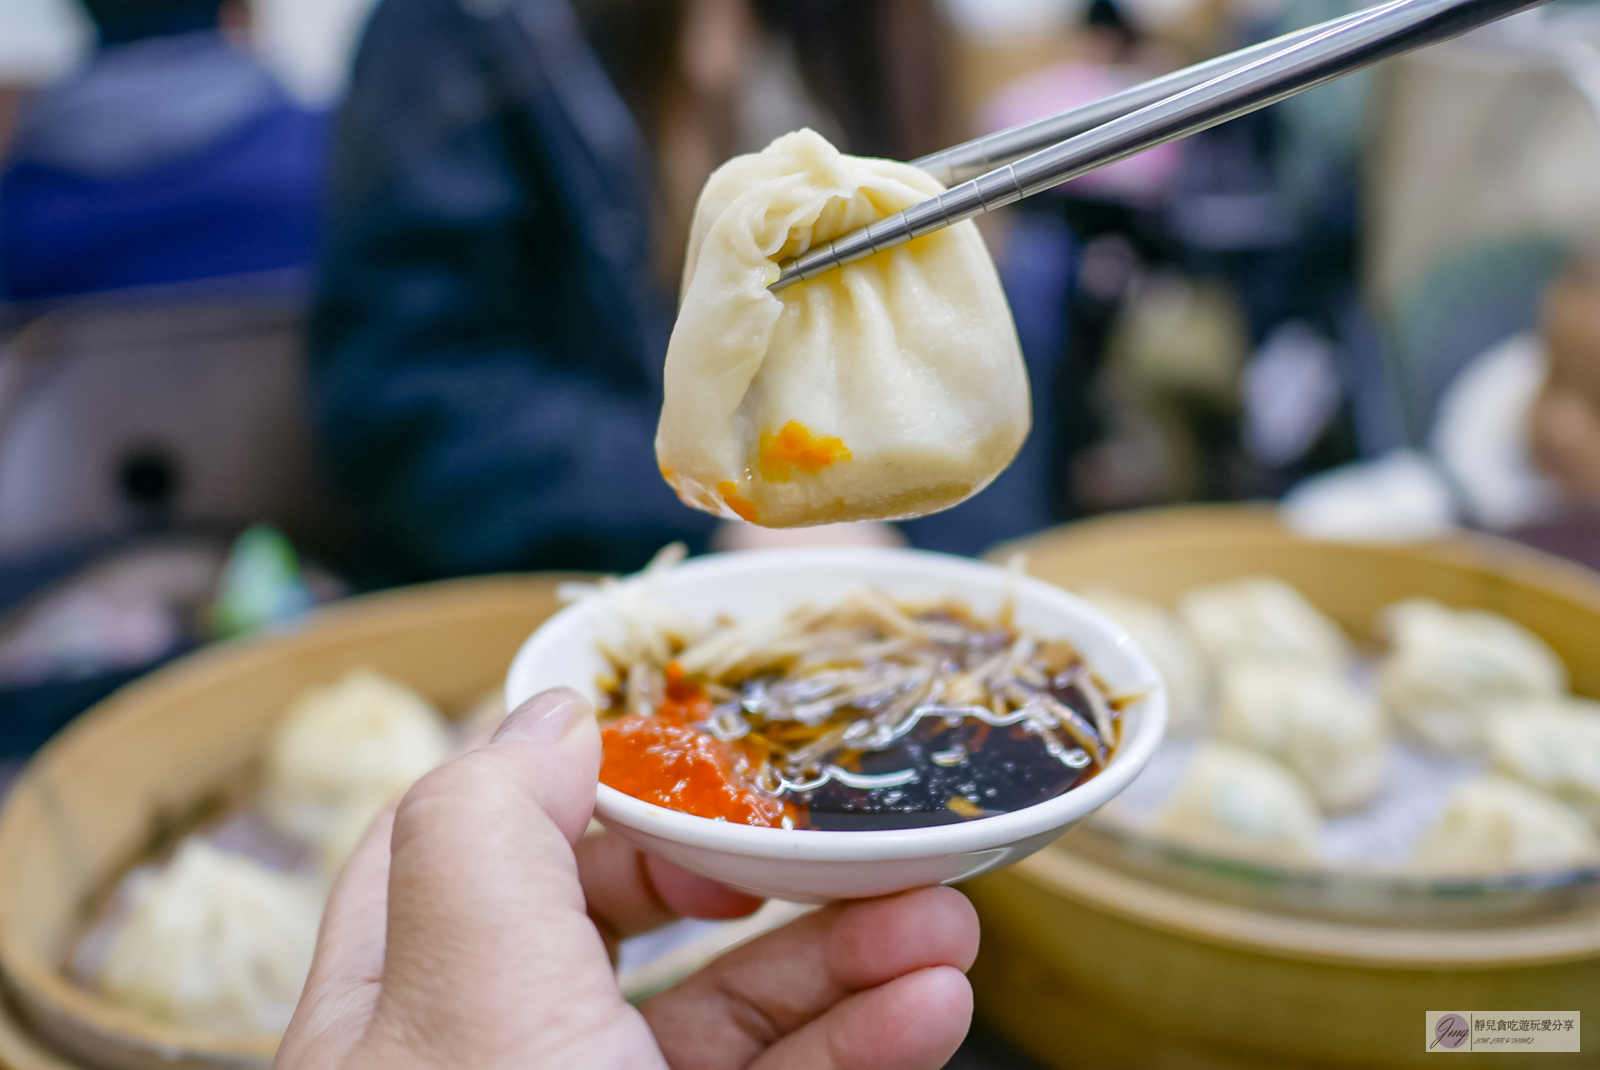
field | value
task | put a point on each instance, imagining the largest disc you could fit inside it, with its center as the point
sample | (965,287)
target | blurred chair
(169,408)
(139,432)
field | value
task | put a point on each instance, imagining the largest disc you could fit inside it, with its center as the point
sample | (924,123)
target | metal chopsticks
(972,158)
(1162,110)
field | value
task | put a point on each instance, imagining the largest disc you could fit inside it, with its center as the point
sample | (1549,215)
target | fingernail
(544,718)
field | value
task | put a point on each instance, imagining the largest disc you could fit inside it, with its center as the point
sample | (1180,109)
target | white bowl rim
(828,845)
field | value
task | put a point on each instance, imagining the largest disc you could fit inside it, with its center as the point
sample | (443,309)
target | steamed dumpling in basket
(341,752)
(216,941)
(1449,671)
(1263,618)
(1493,825)
(891,388)
(1552,744)
(1238,802)
(1319,724)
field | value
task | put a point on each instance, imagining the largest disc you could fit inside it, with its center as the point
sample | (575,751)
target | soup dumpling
(1262,618)
(1319,724)
(1495,825)
(1239,802)
(216,941)
(344,744)
(1553,745)
(890,388)
(1448,670)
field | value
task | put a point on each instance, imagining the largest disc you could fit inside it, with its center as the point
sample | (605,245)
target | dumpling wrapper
(215,941)
(1553,745)
(1237,802)
(1493,825)
(1449,670)
(1262,618)
(343,744)
(891,388)
(1321,725)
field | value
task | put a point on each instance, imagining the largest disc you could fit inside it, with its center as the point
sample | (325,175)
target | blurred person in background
(1512,445)
(1207,320)
(1564,418)
(513,186)
(1566,413)
(172,155)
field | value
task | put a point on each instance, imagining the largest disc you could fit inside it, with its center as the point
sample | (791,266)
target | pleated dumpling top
(891,388)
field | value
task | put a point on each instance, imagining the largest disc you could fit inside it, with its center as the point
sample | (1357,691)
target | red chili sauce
(664,760)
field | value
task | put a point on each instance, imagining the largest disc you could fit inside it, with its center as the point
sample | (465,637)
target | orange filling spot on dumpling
(730,494)
(666,473)
(778,455)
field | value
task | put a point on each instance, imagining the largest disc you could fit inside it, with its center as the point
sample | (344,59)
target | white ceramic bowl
(811,866)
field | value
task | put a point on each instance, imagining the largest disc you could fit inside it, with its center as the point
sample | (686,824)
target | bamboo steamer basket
(123,777)
(1085,964)
(20,1050)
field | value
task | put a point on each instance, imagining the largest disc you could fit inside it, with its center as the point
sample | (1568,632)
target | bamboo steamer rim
(363,616)
(1061,872)
(1236,525)
(19,1050)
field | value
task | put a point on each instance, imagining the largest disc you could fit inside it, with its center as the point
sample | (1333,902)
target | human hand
(470,929)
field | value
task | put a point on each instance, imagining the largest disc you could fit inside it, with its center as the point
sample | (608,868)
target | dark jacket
(488,342)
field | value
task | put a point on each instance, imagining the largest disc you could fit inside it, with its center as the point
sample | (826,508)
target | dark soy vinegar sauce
(963,771)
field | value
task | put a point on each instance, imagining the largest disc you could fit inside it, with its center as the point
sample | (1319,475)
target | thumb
(489,944)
